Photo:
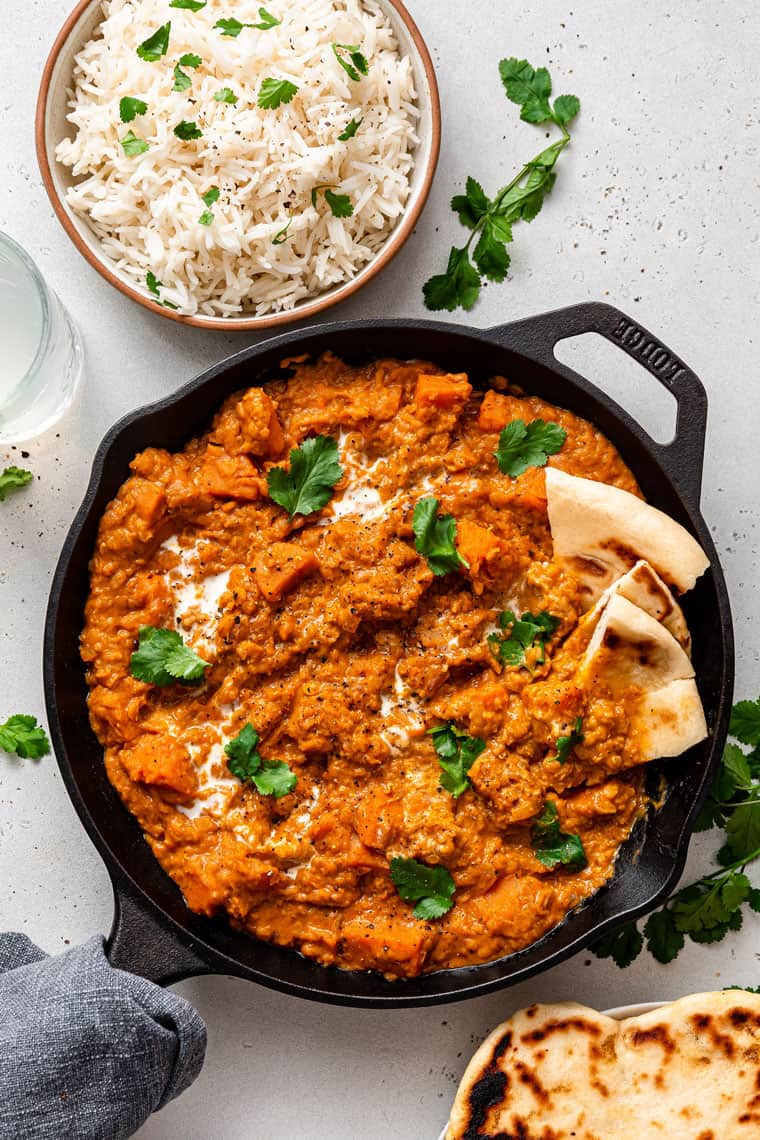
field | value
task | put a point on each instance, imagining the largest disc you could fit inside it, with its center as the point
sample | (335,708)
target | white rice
(145,209)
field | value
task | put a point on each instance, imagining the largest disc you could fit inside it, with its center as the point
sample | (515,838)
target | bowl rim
(309,309)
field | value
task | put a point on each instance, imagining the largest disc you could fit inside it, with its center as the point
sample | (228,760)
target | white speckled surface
(657,209)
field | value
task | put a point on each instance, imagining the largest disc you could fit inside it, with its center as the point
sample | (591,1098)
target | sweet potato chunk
(448,392)
(477,545)
(230,477)
(161,761)
(496,411)
(250,427)
(282,567)
(385,940)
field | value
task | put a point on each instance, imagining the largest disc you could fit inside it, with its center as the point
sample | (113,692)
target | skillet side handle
(536,337)
(140,944)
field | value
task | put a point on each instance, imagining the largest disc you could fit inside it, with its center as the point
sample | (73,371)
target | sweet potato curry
(410,718)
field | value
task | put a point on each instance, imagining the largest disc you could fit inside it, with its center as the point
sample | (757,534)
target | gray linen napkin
(87,1052)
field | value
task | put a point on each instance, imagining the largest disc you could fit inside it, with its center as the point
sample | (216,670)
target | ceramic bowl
(52,126)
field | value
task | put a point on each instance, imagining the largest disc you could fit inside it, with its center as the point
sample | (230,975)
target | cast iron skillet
(154,934)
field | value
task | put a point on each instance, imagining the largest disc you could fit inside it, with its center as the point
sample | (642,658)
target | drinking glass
(40,350)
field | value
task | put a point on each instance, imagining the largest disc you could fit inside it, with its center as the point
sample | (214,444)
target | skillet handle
(141,944)
(536,338)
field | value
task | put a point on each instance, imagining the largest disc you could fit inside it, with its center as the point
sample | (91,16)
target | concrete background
(656,209)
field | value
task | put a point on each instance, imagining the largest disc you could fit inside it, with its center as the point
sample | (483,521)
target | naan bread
(643,586)
(600,532)
(638,660)
(687,1071)
(629,648)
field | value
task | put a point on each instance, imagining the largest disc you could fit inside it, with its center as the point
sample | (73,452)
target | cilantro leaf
(210,197)
(490,254)
(130,108)
(226,95)
(472,205)
(355,63)
(270,777)
(523,634)
(187,131)
(622,945)
(154,285)
(523,446)
(190,59)
(340,204)
(274,92)
(566,107)
(13,478)
(566,744)
(275,778)
(191,5)
(156,45)
(529,88)
(132,145)
(162,658)
(350,130)
(267,21)
(243,758)
(432,887)
(554,847)
(458,287)
(457,752)
(22,735)
(434,537)
(664,941)
(743,831)
(231,27)
(308,485)
(182,81)
(745,722)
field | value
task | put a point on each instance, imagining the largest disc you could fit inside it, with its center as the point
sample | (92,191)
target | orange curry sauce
(331,636)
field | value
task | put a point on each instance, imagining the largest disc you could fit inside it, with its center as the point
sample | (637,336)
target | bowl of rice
(233,166)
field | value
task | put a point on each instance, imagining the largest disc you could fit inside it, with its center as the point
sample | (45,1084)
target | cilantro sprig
(226,95)
(12,479)
(23,736)
(432,888)
(522,445)
(706,910)
(232,27)
(435,537)
(490,220)
(308,485)
(270,777)
(554,847)
(340,204)
(162,658)
(457,752)
(524,633)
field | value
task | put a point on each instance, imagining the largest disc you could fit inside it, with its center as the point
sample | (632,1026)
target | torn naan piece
(685,1071)
(637,660)
(600,531)
(643,586)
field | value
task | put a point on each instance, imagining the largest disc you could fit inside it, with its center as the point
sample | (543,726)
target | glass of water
(40,351)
